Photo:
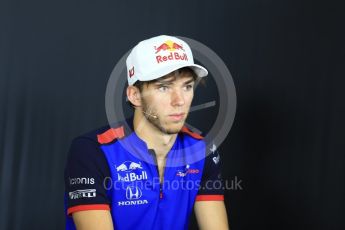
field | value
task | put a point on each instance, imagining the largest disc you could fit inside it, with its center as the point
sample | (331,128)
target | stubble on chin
(163,128)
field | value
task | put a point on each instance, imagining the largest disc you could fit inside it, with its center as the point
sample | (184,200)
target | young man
(151,174)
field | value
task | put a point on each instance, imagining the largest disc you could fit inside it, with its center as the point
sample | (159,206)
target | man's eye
(163,88)
(189,87)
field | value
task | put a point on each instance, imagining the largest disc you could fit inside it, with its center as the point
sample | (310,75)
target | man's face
(169,99)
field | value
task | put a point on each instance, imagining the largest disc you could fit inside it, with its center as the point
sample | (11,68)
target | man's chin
(174,129)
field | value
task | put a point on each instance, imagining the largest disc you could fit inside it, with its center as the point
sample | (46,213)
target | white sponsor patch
(81,180)
(85,193)
(216,159)
(213,149)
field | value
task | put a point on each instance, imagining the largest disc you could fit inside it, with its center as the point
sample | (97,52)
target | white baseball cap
(155,57)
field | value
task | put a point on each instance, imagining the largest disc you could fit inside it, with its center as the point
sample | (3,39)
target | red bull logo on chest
(130,171)
(132,176)
(168,51)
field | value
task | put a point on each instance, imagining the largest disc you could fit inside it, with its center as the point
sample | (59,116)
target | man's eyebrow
(189,81)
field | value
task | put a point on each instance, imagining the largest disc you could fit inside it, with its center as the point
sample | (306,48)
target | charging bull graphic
(134,165)
(128,166)
(168,45)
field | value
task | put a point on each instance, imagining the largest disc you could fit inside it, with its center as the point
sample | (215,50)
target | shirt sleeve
(211,185)
(85,175)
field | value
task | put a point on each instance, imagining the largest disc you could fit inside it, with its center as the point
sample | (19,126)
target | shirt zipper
(160,183)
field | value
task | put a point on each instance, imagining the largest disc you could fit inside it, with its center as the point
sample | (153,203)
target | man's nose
(177,98)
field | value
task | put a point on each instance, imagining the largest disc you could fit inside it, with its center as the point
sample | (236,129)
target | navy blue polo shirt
(111,168)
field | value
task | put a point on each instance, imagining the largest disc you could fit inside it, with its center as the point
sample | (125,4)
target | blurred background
(287,62)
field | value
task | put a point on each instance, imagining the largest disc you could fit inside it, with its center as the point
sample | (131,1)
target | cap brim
(199,70)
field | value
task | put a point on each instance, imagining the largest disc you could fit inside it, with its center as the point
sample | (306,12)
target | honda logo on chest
(133,193)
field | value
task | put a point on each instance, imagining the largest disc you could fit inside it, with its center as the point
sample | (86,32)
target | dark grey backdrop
(286,58)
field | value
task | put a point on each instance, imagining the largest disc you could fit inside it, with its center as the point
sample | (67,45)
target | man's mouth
(177,116)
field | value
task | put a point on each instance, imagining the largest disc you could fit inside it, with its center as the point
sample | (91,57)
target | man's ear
(133,95)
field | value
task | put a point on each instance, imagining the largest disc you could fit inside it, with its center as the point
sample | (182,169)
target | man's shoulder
(92,134)
(89,143)
(105,134)
(190,132)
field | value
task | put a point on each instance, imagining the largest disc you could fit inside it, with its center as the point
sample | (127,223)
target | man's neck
(154,138)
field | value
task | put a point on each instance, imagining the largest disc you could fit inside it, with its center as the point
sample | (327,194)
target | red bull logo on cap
(171,47)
